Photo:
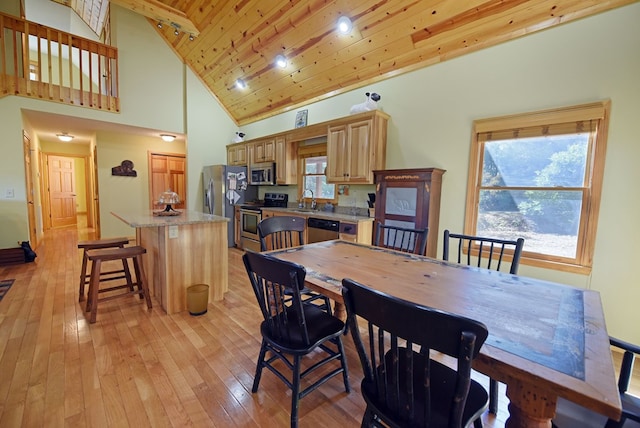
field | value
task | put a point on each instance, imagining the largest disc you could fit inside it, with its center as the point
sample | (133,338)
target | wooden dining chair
(491,252)
(570,415)
(292,330)
(279,232)
(401,239)
(404,387)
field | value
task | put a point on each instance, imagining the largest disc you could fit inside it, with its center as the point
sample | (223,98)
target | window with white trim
(313,160)
(539,176)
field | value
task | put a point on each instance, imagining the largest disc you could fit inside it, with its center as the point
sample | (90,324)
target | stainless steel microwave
(262,174)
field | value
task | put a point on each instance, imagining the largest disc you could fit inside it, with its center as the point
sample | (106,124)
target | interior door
(31,210)
(62,192)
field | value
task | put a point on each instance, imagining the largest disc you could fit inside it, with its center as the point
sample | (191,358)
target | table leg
(529,407)
(340,311)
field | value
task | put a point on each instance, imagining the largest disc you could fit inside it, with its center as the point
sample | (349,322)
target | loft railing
(37,61)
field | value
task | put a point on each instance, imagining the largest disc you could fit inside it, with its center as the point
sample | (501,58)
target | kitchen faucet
(313,201)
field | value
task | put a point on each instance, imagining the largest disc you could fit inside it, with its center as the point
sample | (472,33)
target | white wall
(125,194)
(432,111)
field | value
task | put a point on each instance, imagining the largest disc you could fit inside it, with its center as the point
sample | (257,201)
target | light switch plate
(173,232)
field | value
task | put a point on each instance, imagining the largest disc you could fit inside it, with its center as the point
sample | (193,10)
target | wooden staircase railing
(37,61)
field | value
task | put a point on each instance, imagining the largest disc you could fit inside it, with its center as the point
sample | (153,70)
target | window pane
(555,161)
(318,184)
(315,165)
(549,221)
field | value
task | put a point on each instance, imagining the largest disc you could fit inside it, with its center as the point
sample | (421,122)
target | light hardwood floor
(139,368)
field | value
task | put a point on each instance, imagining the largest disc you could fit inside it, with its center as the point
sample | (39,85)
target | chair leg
(295,391)
(478,422)
(141,279)
(94,285)
(83,276)
(127,274)
(259,366)
(493,396)
(343,362)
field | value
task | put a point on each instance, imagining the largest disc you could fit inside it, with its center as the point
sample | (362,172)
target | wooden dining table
(546,340)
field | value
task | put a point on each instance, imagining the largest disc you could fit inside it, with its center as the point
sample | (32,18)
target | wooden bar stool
(105,276)
(98,256)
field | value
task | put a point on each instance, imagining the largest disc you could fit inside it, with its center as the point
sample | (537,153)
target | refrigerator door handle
(209,196)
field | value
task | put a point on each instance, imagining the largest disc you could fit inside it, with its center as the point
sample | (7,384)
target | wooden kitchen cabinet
(262,151)
(286,161)
(237,154)
(356,145)
(410,198)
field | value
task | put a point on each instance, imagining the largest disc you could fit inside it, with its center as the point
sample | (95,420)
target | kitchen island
(182,250)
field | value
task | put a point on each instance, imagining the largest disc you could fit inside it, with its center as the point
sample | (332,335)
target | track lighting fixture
(281,61)
(159,24)
(191,37)
(344,25)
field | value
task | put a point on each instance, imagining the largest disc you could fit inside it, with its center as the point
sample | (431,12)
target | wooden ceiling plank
(229,49)
(321,52)
(455,47)
(229,27)
(160,12)
(310,31)
(241,38)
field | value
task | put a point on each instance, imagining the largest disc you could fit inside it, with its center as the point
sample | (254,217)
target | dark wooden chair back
(277,284)
(401,239)
(292,329)
(280,232)
(402,385)
(491,251)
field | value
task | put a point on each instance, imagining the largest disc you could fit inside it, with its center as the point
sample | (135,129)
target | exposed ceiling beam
(160,12)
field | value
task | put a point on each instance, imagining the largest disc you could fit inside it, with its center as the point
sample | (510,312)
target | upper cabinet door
(356,146)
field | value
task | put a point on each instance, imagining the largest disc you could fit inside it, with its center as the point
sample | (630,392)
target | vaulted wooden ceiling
(240,40)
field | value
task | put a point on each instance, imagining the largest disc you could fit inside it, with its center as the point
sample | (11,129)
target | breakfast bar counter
(182,250)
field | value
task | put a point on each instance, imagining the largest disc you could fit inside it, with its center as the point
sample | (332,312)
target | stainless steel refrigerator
(225,186)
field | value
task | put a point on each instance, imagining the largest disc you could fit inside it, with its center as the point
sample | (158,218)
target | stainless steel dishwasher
(320,229)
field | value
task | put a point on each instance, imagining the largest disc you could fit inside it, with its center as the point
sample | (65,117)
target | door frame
(30,188)
(46,202)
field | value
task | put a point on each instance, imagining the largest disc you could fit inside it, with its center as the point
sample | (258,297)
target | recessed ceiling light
(167,137)
(281,61)
(64,137)
(240,84)
(344,25)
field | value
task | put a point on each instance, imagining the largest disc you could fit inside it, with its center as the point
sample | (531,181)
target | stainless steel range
(251,215)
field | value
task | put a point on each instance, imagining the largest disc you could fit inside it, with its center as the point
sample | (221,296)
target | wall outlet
(9,193)
(173,232)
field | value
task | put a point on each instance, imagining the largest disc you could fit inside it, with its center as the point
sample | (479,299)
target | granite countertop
(329,215)
(147,219)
